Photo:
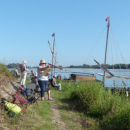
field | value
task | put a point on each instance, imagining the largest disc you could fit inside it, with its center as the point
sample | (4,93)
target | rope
(116,51)
(120,50)
(112,62)
(124,84)
(56,48)
(95,44)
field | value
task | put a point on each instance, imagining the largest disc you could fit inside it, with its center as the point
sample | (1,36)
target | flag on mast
(107,19)
(53,34)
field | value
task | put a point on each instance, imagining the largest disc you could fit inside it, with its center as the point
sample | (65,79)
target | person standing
(43,80)
(23,73)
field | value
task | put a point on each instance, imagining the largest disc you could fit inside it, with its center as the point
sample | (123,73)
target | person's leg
(21,80)
(42,86)
(24,78)
(48,93)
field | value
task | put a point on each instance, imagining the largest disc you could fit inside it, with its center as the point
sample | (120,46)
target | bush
(111,109)
(5,75)
(93,98)
(4,71)
(119,119)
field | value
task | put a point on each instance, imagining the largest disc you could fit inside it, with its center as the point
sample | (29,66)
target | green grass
(36,117)
(82,106)
(111,110)
(73,118)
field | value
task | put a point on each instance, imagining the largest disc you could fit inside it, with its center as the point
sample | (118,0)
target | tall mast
(53,35)
(108,25)
(54,54)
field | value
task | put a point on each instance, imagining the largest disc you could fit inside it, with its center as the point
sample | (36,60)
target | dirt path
(56,118)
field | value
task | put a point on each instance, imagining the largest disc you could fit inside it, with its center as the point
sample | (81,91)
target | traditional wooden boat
(83,77)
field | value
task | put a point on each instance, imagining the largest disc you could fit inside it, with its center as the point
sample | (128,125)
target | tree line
(115,66)
(17,65)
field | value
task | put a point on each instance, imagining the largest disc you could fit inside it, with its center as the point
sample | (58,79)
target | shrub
(111,109)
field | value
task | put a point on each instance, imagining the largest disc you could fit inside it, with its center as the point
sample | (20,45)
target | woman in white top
(43,80)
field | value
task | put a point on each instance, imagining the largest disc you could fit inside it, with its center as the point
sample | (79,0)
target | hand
(48,74)
(48,66)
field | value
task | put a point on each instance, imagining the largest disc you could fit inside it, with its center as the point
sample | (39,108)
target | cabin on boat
(82,77)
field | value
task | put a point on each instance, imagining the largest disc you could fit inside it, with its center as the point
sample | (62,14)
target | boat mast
(53,35)
(108,25)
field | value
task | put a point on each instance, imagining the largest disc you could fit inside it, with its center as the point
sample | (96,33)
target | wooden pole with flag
(53,35)
(108,25)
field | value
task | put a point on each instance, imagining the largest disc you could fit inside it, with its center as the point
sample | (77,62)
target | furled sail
(52,51)
(117,76)
(108,76)
(126,77)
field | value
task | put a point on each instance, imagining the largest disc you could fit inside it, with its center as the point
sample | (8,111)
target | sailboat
(54,59)
(104,67)
(73,75)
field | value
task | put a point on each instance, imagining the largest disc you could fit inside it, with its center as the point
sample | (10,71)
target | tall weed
(111,109)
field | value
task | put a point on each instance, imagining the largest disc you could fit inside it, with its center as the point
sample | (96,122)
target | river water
(65,73)
(108,82)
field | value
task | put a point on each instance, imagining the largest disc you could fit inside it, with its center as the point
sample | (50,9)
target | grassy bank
(36,117)
(112,111)
(81,106)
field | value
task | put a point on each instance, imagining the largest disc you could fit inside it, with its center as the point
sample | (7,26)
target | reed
(111,109)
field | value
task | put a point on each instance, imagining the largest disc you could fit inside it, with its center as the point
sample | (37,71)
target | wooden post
(108,25)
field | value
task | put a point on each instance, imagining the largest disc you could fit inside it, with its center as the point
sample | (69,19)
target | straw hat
(42,61)
(24,62)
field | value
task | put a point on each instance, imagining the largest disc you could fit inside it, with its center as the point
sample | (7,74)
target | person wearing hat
(43,80)
(23,73)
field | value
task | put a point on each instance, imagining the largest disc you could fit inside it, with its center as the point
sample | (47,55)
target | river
(108,82)
(65,73)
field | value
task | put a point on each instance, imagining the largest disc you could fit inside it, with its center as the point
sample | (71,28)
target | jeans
(43,85)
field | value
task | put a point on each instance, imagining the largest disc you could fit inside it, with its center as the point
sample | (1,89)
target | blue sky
(26,27)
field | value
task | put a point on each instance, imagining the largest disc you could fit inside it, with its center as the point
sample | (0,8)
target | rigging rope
(115,42)
(112,62)
(95,44)
(120,50)
(116,52)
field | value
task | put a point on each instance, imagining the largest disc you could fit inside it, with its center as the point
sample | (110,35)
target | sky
(80,30)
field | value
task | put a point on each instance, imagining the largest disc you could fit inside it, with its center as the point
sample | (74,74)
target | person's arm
(42,69)
(54,80)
